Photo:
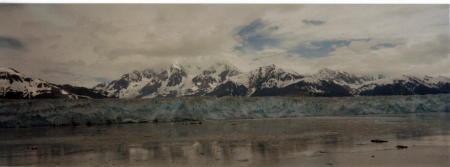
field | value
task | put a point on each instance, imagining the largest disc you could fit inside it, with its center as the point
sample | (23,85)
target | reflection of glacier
(76,112)
(187,153)
(287,142)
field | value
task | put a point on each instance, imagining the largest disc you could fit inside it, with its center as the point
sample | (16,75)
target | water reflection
(308,142)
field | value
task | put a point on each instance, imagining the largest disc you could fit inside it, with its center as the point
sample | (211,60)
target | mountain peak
(14,85)
(328,71)
(10,70)
(342,76)
(267,69)
(175,66)
(271,66)
(220,79)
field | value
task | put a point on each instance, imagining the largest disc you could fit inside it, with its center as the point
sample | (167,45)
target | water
(309,141)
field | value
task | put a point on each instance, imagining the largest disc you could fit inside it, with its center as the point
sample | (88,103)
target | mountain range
(15,85)
(225,80)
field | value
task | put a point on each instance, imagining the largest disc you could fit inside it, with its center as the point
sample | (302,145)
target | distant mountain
(226,80)
(406,85)
(14,85)
(176,80)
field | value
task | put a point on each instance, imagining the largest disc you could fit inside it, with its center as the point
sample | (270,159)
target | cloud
(61,73)
(427,52)
(383,45)
(100,79)
(10,6)
(256,36)
(92,42)
(56,71)
(313,22)
(11,43)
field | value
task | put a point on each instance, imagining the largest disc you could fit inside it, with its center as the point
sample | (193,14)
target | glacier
(59,112)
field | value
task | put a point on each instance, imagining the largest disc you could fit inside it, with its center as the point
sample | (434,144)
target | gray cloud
(95,44)
(62,72)
(57,71)
(313,22)
(10,6)
(428,52)
(12,43)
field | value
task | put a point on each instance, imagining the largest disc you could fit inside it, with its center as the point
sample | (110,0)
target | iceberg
(60,112)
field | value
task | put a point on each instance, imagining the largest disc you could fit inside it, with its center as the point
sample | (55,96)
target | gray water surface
(309,141)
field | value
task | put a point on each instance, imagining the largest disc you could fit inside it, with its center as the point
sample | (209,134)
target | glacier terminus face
(56,112)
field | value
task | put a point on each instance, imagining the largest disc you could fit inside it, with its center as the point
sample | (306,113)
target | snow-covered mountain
(14,85)
(176,80)
(406,85)
(226,80)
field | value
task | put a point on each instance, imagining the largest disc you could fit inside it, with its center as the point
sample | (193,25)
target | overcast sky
(88,44)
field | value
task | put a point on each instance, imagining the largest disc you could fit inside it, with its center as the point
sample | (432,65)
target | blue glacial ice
(56,112)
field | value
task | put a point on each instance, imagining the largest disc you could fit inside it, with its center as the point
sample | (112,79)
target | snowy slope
(406,85)
(176,80)
(15,85)
(226,80)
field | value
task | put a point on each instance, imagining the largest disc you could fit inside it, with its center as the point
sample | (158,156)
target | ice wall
(55,112)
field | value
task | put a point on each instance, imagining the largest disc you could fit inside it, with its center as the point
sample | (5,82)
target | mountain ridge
(15,85)
(222,79)
(226,80)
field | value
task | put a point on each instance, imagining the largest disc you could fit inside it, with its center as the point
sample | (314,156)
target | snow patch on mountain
(226,80)
(175,80)
(14,84)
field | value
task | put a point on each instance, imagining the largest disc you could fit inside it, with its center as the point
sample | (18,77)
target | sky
(88,44)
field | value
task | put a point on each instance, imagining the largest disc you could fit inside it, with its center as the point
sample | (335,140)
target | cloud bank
(88,44)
